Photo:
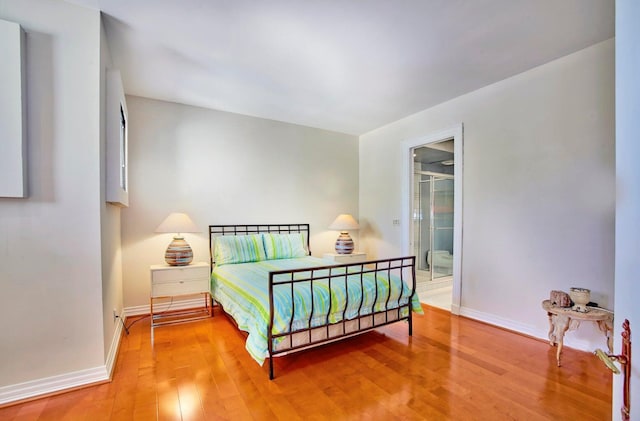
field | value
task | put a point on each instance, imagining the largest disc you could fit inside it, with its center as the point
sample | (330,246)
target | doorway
(433,222)
(432,215)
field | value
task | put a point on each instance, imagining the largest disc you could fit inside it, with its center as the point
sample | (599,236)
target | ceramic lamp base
(178,253)
(344,244)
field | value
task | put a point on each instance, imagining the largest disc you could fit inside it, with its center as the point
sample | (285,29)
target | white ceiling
(344,65)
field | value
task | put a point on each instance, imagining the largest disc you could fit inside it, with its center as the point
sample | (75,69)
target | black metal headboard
(217,230)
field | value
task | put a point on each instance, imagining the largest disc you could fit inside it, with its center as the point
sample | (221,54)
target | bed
(265,278)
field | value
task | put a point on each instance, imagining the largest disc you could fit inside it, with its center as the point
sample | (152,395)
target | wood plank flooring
(452,368)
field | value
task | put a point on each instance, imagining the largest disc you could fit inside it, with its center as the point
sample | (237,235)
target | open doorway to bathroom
(432,221)
(438,177)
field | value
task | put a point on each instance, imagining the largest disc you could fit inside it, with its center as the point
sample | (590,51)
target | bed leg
(410,324)
(270,368)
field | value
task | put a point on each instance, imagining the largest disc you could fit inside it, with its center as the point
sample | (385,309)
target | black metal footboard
(340,320)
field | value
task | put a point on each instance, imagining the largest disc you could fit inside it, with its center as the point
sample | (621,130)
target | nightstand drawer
(354,257)
(180,274)
(180,287)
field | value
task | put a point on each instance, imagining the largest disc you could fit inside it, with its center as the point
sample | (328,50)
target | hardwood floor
(452,368)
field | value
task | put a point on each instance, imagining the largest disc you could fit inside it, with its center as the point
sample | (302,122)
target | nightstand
(176,281)
(355,257)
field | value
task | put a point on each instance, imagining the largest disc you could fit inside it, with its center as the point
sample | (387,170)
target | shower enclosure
(433,225)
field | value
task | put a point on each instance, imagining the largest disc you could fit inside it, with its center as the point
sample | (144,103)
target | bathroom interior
(433,211)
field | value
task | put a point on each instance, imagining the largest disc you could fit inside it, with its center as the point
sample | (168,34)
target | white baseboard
(67,381)
(500,321)
(31,389)
(571,342)
(159,307)
(455,309)
(115,344)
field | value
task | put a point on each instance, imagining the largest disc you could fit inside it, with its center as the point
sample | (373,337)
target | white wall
(224,168)
(110,228)
(538,194)
(50,257)
(628,191)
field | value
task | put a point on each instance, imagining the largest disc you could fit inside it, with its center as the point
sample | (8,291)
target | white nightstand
(355,257)
(174,281)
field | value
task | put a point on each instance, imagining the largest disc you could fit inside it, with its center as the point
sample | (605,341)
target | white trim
(455,133)
(62,382)
(39,387)
(159,307)
(502,322)
(492,319)
(115,344)
(52,384)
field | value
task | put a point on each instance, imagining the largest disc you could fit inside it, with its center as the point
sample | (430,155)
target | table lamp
(343,223)
(179,252)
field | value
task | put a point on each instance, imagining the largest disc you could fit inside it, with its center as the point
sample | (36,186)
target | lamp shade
(177,223)
(344,222)
(179,252)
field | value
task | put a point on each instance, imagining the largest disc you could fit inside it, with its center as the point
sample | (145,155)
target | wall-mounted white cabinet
(13,128)
(117,188)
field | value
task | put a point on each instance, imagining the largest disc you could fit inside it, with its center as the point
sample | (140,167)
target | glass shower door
(441,258)
(424,225)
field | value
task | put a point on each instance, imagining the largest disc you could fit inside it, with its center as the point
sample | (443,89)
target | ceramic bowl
(580,298)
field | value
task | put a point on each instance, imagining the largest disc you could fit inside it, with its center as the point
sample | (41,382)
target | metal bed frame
(297,339)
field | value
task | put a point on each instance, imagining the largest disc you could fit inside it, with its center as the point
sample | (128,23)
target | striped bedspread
(243,291)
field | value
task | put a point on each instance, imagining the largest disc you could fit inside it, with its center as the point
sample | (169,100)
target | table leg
(151,311)
(559,325)
(606,326)
(552,338)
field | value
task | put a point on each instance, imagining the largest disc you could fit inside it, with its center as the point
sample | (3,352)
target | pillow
(284,246)
(238,249)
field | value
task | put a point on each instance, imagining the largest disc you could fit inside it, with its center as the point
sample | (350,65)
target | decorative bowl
(580,298)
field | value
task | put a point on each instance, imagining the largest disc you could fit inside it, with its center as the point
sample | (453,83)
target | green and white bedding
(243,290)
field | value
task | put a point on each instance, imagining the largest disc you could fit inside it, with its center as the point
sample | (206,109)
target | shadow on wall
(41,144)
(369,230)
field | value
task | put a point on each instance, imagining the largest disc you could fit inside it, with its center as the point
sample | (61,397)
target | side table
(175,281)
(562,319)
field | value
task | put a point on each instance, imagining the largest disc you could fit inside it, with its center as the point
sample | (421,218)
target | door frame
(456,133)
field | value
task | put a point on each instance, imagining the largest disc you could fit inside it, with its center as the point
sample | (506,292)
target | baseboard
(159,307)
(524,329)
(115,345)
(64,382)
(499,321)
(455,309)
(49,385)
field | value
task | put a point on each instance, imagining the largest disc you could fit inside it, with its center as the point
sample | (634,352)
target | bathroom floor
(436,292)
(439,297)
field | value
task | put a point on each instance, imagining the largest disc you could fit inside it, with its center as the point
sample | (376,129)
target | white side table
(175,281)
(355,257)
